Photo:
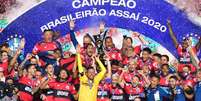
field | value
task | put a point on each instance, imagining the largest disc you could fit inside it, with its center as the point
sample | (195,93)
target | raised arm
(103,30)
(28,56)
(109,70)
(14,60)
(72,33)
(102,67)
(75,74)
(141,38)
(101,74)
(94,64)
(172,34)
(102,27)
(79,61)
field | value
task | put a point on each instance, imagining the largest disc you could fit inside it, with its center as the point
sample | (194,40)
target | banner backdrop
(149,17)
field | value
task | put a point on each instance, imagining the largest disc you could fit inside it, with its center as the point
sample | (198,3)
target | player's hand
(102,27)
(22,43)
(18,51)
(72,24)
(28,56)
(168,22)
(136,34)
(97,57)
(78,49)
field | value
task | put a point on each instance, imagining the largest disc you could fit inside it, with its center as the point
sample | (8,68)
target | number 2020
(154,24)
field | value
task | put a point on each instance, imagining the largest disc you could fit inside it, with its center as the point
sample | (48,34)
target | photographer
(177,91)
(10,90)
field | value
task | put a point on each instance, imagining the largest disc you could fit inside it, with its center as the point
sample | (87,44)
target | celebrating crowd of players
(99,71)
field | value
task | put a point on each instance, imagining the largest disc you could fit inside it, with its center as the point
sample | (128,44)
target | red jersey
(185,58)
(42,49)
(133,91)
(25,89)
(148,62)
(4,64)
(117,93)
(180,67)
(156,66)
(63,91)
(50,92)
(164,81)
(45,46)
(137,49)
(184,55)
(13,73)
(114,54)
(126,59)
(127,76)
(67,63)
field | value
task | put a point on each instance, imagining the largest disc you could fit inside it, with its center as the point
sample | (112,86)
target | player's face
(48,35)
(109,43)
(156,59)
(91,73)
(115,67)
(33,61)
(172,83)
(145,55)
(164,60)
(165,70)
(154,82)
(4,55)
(115,79)
(132,66)
(63,74)
(32,70)
(9,81)
(38,75)
(24,72)
(129,51)
(50,69)
(185,69)
(86,40)
(90,50)
(128,42)
(145,69)
(199,75)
